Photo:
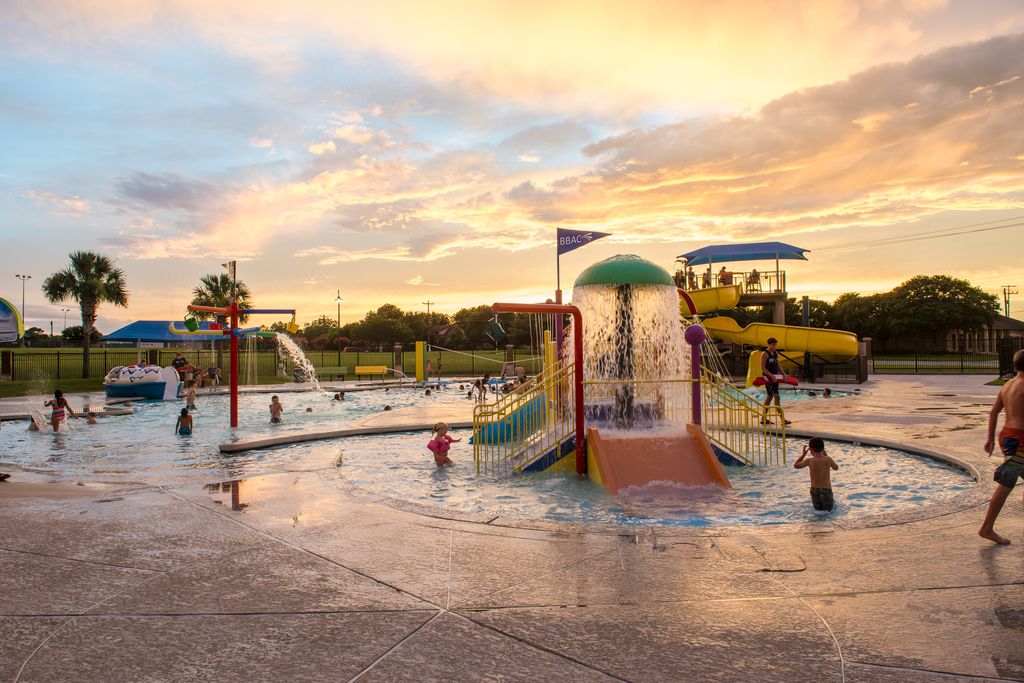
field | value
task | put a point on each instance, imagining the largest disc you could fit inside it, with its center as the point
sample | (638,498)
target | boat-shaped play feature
(137,381)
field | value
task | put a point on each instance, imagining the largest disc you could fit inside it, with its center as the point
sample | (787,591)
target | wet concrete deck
(310,580)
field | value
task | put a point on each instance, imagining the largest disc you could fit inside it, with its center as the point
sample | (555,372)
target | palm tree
(91,279)
(215,290)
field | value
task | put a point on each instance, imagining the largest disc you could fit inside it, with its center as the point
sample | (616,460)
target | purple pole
(695,336)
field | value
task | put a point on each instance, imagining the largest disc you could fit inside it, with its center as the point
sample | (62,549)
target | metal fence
(935,364)
(67,363)
(1007,348)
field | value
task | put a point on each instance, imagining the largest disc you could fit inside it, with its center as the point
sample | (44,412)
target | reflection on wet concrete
(227,492)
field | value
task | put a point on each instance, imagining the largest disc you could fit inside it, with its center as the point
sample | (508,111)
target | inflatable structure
(12,327)
(149,382)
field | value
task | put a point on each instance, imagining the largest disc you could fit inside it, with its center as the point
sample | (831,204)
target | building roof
(1001,322)
(157,331)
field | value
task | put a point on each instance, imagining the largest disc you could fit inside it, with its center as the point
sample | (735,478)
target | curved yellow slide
(791,338)
(711,299)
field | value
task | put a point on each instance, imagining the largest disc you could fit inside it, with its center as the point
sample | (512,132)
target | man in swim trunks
(183,427)
(820,467)
(1011,440)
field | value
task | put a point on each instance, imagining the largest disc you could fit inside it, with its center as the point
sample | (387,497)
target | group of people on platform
(687,279)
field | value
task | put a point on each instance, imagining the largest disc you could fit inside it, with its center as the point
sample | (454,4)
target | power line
(927,235)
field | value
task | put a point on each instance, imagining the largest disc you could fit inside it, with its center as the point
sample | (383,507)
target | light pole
(65,311)
(23,277)
(337,300)
(428,304)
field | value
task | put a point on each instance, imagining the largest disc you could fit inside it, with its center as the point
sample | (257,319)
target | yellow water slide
(792,339)
(710,299)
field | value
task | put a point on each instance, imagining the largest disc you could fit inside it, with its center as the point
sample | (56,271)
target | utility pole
(1007,291)
(428,304)
(337,300)
(23,277)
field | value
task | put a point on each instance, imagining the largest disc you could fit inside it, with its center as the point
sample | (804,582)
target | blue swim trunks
(1012,469)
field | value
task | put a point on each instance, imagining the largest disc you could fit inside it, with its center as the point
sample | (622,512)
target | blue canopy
(755,251)
(156,331)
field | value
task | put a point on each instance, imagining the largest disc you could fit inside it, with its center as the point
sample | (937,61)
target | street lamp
(337,300)
(23,277)
(65,311)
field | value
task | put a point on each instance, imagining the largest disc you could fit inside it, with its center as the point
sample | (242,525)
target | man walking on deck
(772,373)
(1011,399)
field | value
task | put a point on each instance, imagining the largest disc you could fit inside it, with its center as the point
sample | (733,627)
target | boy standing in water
(275,409)
(1011,399)
(820,466)
(183,427)
(190,397)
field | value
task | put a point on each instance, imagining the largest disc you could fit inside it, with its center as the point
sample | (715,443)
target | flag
(230,266)
(574,239)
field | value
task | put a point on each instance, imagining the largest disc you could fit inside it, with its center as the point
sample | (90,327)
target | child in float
(183,427)
(276,408)
(820,467)
(440,443)
(190,397)
(59,406)
(1010,399)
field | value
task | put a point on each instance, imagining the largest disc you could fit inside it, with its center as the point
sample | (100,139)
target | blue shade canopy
(754,251)
(156,331)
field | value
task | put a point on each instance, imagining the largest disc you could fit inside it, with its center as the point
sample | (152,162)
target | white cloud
(528,158)
(417,281)
(319,148)
(261,143)
(59,205)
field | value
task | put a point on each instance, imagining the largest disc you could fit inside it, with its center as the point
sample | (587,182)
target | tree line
(923,306)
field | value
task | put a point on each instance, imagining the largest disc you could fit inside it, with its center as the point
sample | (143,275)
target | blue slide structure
(520,424)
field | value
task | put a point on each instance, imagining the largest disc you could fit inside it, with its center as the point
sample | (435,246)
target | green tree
(216,290)
(90,279)
(74,334)
(932,304)
(474,322)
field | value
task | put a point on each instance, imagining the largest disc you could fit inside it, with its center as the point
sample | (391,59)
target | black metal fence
(1007,348)
(935,364)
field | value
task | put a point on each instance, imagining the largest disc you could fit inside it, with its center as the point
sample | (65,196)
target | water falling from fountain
(299,359)
(636,361)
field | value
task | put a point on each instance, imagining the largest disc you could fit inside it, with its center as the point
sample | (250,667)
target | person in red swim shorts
(440,443)
(1010,399)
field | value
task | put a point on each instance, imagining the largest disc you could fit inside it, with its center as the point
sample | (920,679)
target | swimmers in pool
(183,427)
(60,409)
(827,393)
(427,392)
(309,410)
(340,396)
(190,397)
(440,443)
(820,467)
(276,409)
(90,418)
(387,407)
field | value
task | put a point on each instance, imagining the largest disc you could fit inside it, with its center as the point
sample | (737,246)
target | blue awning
(157,331)
(755,251)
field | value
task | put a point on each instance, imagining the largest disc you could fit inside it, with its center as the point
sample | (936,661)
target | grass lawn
(935,356)
(46,386)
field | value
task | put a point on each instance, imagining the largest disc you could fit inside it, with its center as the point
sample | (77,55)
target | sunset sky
(411,151)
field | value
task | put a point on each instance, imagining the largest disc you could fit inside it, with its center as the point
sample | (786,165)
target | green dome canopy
(624,269)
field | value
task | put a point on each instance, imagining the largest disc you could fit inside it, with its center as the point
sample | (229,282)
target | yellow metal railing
(740,424)
(510,434)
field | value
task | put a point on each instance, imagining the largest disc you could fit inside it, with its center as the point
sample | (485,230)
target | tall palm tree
(91,279)
(215,290)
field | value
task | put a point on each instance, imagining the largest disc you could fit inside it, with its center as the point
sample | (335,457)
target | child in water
(276,408)
(820,466)
(183,427)
(190,397)
(440,443)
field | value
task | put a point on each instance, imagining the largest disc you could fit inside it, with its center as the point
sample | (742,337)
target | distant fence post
(396,360)
(5,363)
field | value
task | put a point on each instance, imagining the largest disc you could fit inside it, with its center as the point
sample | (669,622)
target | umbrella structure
(752,251)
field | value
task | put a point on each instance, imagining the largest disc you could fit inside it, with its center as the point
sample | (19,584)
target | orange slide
(619,462)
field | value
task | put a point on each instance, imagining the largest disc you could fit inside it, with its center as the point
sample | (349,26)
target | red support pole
(577,352)
(233,375)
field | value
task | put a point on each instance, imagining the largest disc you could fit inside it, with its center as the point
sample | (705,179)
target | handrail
(740,424)
(509,434)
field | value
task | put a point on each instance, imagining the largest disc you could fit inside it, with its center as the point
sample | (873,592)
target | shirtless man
(820,466)
(1010,399)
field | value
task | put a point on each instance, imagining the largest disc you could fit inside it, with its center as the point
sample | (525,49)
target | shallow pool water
(143,447)
(871,480)
(796,394)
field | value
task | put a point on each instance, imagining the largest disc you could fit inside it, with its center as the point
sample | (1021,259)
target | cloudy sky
(411,151)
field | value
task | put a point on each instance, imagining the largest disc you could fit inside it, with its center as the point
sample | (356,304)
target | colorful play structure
(626,401)
(147,382)
(232,312)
